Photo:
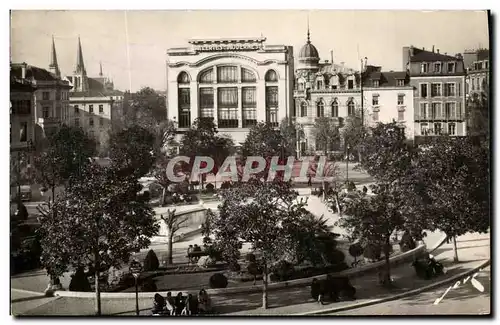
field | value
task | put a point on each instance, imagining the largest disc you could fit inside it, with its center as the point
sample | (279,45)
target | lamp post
(136,268)
(347,162)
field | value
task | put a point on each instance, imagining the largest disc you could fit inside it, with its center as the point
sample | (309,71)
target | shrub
(356,250)
(407,243)
(335,256)
(283,270)
(218,281)
(210,188)
(254,269)
(214,253)
(79,281)
(151,262)
(225,185)
(207,240)
(148,285)
(350,186)
(250,257)
(372,252)
(234,267)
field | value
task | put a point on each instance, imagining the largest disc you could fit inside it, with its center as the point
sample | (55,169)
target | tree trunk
(387,275)
(455,253)
(264,287)
(53,193)
(163,194)
(170,247)
(325,189)
(338,204)
(97,288)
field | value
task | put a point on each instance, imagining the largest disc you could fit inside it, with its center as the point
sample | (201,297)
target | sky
(377,35)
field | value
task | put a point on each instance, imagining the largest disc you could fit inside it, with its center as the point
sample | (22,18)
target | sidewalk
(473,248)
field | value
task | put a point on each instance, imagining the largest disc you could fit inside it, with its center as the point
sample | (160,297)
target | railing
(440,117)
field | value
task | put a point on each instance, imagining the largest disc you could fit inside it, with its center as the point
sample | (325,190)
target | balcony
(49,122)
(441,117)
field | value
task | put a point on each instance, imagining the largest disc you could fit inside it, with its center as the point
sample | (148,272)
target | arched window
(247,75)
(183,78)
(207,76)
(335,108)
(350,108)
(271,76)
(320,109)
(303,109)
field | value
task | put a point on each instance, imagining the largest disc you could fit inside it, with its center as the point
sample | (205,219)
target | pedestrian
(158,304)
(170,303)
(309,181)
(204,304)
(179,304)
(189,251)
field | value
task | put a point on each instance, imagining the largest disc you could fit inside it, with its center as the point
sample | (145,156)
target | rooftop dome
(308,50)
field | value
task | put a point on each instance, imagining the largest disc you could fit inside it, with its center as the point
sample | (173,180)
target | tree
(202,139)
(264,140)
(387,156)
(354,132)
(99,222)
(132,150)
(174,222)
(292,133)
(326,132)
(373,219)
(478,112)
(264,214)
(453,174)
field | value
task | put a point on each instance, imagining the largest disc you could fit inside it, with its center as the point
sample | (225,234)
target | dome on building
(308,55)
(308,51)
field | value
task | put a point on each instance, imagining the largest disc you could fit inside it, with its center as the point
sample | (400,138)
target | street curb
(28,292)
(359,271)
(401,295)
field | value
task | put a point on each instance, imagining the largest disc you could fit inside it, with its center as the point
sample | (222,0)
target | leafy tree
(387,156)
(132,150)
(174,222)
(264,214)
(354,132)
(326,132)
(453,175)
(99,222)
(264,140)
(151,262)
(373,219)
(144,107)
(292,133)
(63,157)
(478,115)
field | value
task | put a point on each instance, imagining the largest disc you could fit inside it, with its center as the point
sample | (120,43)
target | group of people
(338,288)
(193,249)
(181,305)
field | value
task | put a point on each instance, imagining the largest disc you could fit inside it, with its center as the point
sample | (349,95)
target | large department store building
(234,82)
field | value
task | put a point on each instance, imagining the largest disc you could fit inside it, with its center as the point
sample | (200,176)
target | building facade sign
(227,47)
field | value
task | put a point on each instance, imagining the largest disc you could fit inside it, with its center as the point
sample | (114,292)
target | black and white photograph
(210,163)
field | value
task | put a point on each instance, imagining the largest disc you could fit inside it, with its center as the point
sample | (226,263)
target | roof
(308,51)
(420,55)
(96,93)
(483,54)
(21,85)
(32,72)
(388,79)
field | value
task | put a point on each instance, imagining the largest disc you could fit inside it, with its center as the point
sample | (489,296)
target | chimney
(423,48)
(331,55)
(366,62)
(432,48)
(326,61)
(437,51)
(412,50)
(23,71)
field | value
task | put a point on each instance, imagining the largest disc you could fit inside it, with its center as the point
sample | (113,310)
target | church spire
(308,33)
(100,69)
(80,67)
(53,66)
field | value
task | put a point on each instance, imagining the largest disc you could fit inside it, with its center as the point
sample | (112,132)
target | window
(350,84)
(101,109)
(437,67)
(449,89)
(436,111)
(319,84)
(247,76)
(450,110)
(23,132)
(184,98)
(91,109)
(249,117)
(271,76)
(401,99)
(77,122)
(272,104)
(423,67)
(350,108)
(91,134)
(58,95)
(91,122)
(227,74)
(320,109)
(45,95)
(207,103)
(335,109)
(375,116)
(184,105)
(436,90)
(423,90)
(375,100)
(45,112)
(424,111)
(303,109)
(437,129)
(249,97)
(451,67)
(334,81)
(451,128)
(401,115)
(183,78)
(77,110)
(486,64)
(473,83)
(101,121)
(228,107)
(424,129)
(207,76)
(375,83)
(21,107)
(401,82)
